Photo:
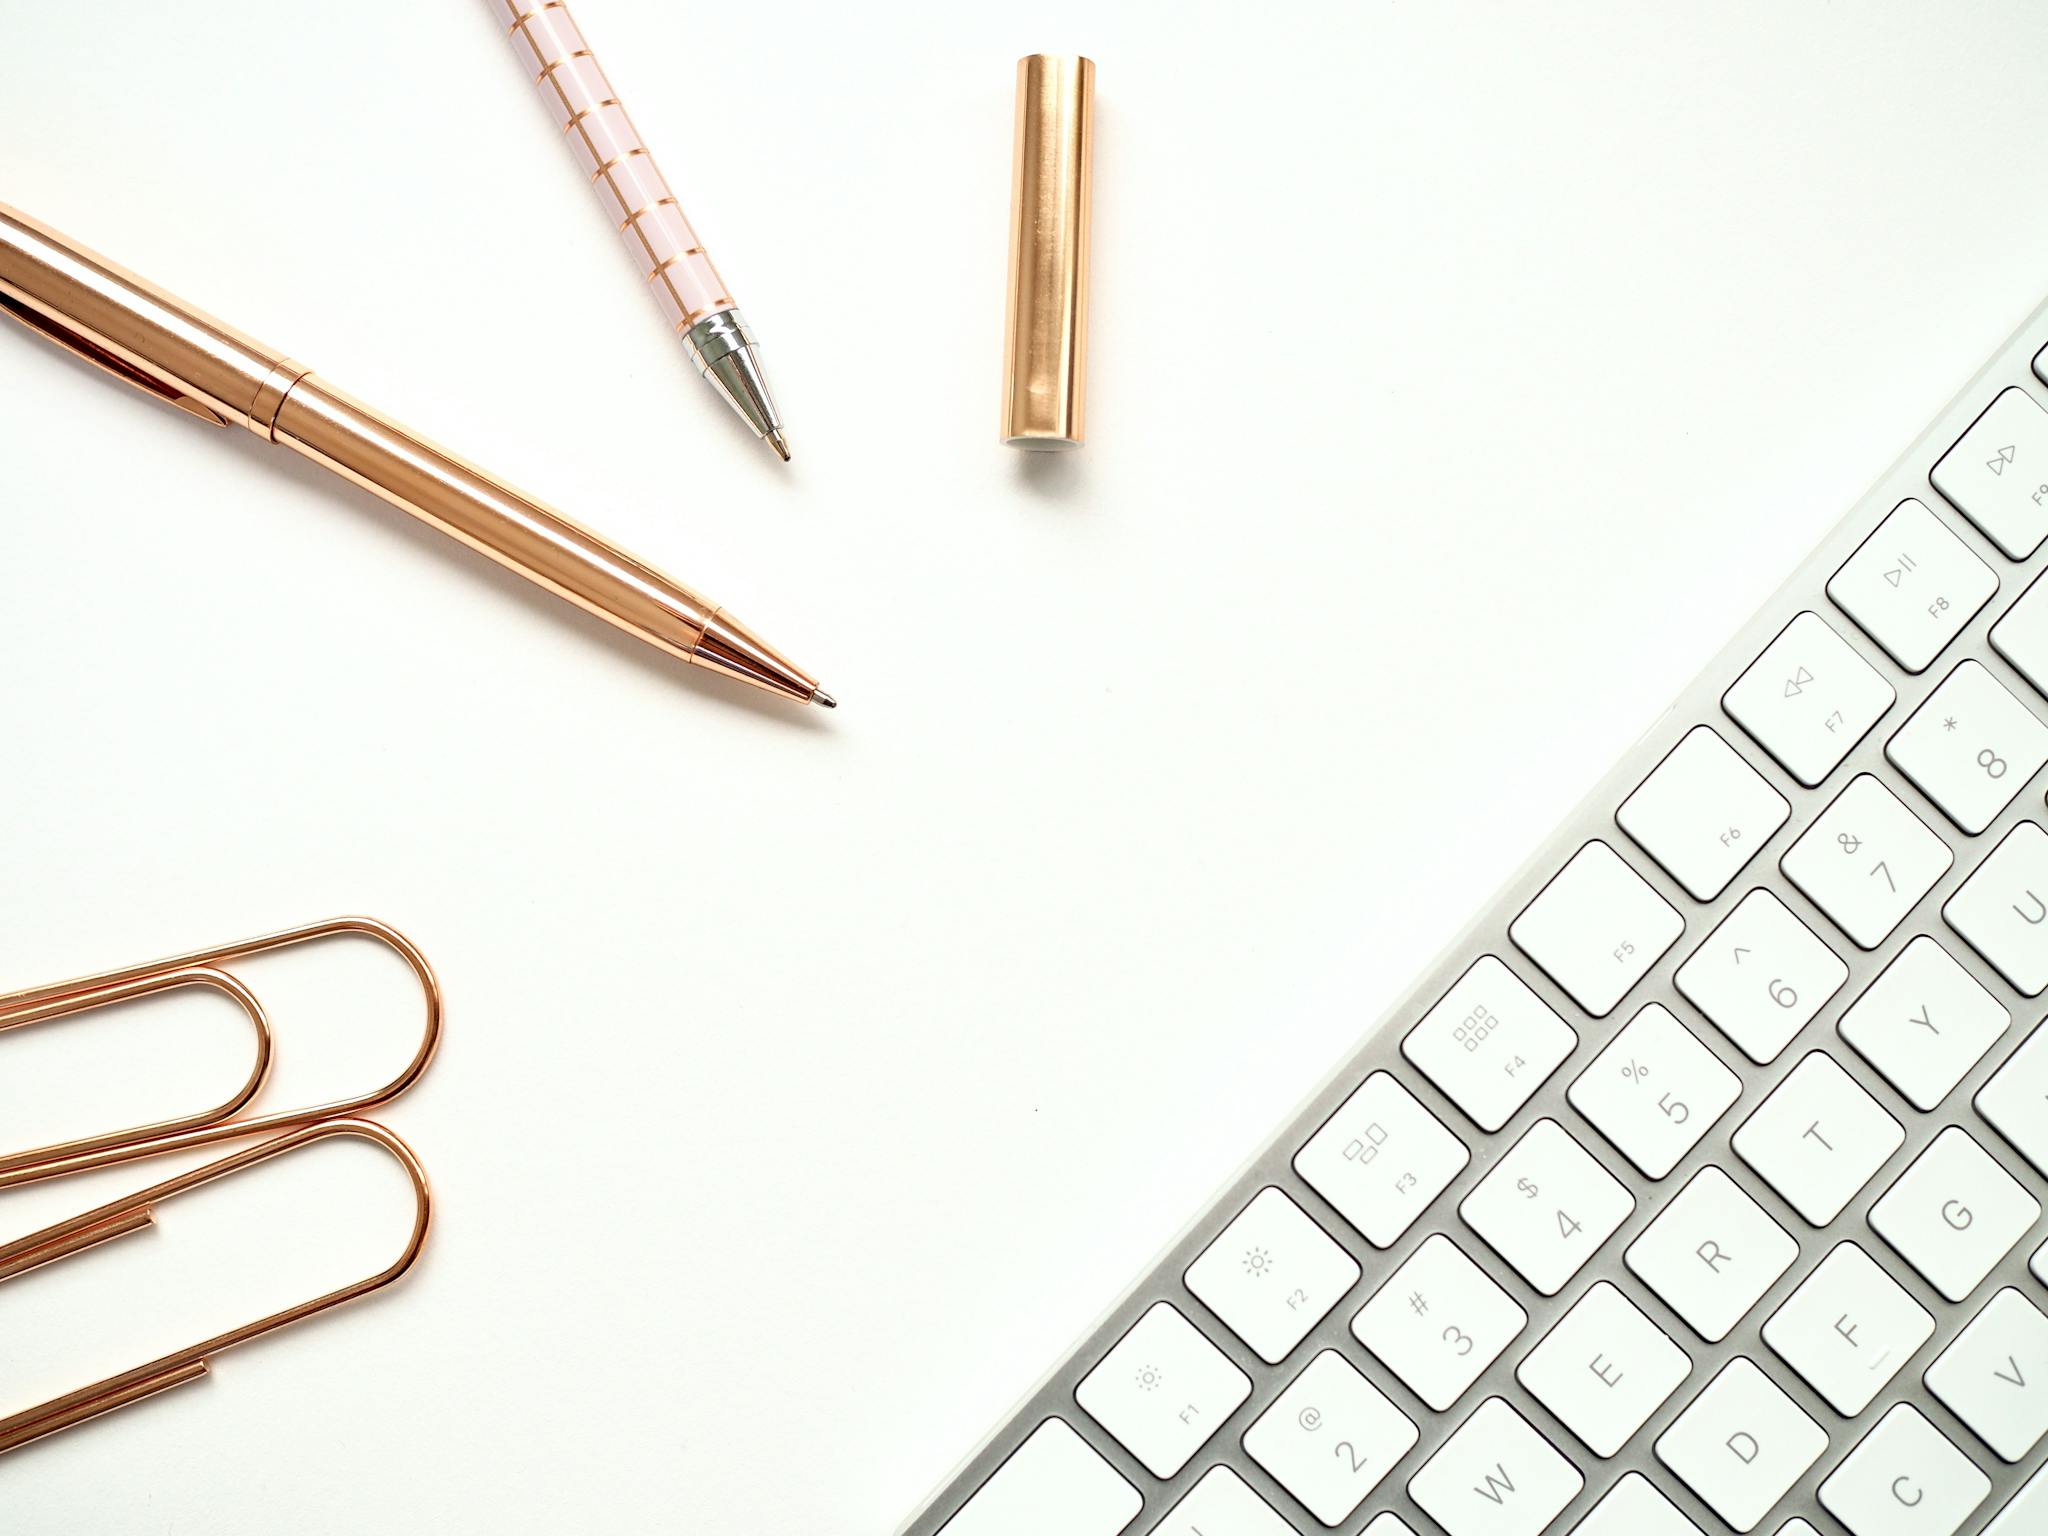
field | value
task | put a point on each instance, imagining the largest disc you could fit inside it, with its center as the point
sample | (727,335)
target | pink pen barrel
(616,162)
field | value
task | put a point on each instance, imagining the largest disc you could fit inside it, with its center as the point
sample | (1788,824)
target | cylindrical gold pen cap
(1045,352)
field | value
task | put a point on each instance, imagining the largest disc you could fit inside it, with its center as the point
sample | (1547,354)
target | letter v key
(1977,1374)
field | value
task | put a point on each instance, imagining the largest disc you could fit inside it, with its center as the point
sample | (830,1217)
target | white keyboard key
(1439,1322)
(1388,1524)
(2026,1515)
(1596,928)
(1330,1438)
(1489,1043)
(2016,1100)
(1761,976)
(1913,585)
(1163,1390)
(1848,1329)
(1971,747)
(1997,474)
(1994,1377)
(2002,909)
(2021,636)
(1797,1527)
(1808,698)
(1221,1504)
(1272,1275)
(2039,1264)
(1380,1159)
(1703,813)
(1604,1369)
(1954,1214)
(1655,1091)
(1741,1445)
(1054,1481)
(1495,1477)
(1818,1139)
(1905,1479)
(1866,860)
(1634,1507)
(1924,1023)
(1547,1206)
(1711,1254)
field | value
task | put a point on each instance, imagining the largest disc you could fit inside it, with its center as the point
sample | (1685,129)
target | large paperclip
(131,1213)
(224,1121)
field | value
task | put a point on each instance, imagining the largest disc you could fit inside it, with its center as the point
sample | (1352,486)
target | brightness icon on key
(1257,1262)
(1148,1378)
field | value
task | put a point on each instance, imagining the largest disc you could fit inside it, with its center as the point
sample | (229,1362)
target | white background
(1460,375)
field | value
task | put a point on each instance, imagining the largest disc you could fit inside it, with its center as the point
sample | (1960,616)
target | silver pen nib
(723,348)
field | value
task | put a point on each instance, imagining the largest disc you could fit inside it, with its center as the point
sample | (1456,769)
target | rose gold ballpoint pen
(177,353)
(694,299)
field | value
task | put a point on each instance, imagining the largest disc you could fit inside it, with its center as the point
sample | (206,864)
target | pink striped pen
(693,297)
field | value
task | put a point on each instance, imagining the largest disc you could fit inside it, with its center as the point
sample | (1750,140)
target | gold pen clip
(85,347)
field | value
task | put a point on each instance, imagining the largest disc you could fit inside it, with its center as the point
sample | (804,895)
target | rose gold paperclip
(221,1122)
(201,968)
(132,1213)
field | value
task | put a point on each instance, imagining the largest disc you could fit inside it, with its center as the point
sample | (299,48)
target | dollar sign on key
(1529,1190)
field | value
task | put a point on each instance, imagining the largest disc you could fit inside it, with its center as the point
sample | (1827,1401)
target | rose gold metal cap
(1046,342)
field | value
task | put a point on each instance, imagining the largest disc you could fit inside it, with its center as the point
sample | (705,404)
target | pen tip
(780,444)
(820,696)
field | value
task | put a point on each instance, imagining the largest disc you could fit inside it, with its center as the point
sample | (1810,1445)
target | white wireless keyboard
(1699,1185)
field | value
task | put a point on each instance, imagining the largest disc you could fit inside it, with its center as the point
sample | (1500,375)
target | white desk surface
(1460,376)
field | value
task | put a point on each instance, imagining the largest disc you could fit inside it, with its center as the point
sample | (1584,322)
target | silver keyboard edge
(1380,1048)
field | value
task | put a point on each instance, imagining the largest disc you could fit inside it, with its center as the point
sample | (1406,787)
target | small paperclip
(131,1213)
(219,1123)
